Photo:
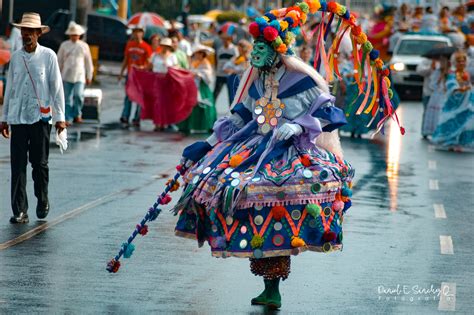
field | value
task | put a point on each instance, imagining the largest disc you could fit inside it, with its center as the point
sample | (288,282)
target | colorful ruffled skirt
(294,202)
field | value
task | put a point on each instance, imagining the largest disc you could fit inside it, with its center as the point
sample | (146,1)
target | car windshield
(418,47)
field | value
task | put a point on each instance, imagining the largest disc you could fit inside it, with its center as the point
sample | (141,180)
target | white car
(407,54)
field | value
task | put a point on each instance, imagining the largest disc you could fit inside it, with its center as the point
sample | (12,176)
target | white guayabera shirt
(75,61)
(21,105)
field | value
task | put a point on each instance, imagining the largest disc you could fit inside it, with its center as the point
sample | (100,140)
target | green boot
(273,295)
(262,298)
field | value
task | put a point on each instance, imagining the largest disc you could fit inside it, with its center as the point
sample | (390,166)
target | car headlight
(398,66)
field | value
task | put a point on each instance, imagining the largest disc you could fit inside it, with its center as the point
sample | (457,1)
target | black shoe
(42,210)
(21,218)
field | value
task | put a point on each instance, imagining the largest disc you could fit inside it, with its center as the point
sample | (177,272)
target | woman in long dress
(455,130)
(204,113)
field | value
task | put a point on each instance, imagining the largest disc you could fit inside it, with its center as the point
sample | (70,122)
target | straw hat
(32,20)
(74,29)
(202,48)
(166,42)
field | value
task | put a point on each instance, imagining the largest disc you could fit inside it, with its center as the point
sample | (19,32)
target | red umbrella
(146,18)
(4,56)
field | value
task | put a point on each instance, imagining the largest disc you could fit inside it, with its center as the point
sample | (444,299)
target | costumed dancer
(271,180)
(437,87)
(382,30)
(204,114)
(455,130)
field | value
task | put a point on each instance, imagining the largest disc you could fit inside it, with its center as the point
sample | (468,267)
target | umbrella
(151,30)
(4,56)
(146,19)
(440,52)
(228,28)
(200,19)
(213,14)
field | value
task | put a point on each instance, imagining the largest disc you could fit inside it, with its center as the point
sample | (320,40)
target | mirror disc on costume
(327,211)
(266,128)
(243,244)
(296,214)
(248,171)
(273,122)
(261,119)
(324,174)
(258,220)
(214,243)
(327,247)
(214,228)
(276,104)
(235,182)
(315,188)
(195,180)
(281,195)
(277,226)
(307,174)
(258,110)
(258,208)
(257,253)
(338,221)
(256,179)
(228,170)
(312,223)
(206,170)
(278,113)
(235,175)
(229,220)
(278,240)
(243,229)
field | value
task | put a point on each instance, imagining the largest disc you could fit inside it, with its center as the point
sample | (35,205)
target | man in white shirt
(34,98)
(75,63)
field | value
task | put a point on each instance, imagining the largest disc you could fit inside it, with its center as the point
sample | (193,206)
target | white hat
(205,49)
(166,41)
(74,29)
(32,20)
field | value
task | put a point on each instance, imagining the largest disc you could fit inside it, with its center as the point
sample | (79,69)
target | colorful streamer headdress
(280,27)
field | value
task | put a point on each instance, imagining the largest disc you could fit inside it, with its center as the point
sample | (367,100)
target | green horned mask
(263,55)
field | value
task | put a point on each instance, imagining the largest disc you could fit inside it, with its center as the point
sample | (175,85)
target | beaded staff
(127,248)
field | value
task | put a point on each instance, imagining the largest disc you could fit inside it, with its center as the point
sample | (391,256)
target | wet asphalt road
(410,204)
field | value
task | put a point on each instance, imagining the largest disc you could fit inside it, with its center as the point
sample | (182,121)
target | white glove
(61,140)
(287,130)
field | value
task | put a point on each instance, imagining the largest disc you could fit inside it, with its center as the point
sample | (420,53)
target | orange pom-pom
(303,17)
(361,39)
(314,5)
(297,242)
(282,49)
(278,212)
(295,15)
(332,7)
(235,161)
(305,161)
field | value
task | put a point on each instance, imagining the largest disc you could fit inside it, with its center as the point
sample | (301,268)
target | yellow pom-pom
(297,242)
(361,39)
(235,161)
(387,81)
(314,5)
(283,25)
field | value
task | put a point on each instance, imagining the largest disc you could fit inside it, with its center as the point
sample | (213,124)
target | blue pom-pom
(346,192)
(283,34)
(347,205)
(275,25)
(261,21)
(289,20)
(347,15)
(154,213)
(270,16)
(324,6)
(296,30)
(128,250)
(374,54)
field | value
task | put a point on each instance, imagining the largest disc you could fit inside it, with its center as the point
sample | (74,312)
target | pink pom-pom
(165,200)
(338,205)
(254,29)
(270,34)
(142,230)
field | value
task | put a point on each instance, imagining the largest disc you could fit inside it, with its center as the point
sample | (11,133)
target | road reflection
(394,147)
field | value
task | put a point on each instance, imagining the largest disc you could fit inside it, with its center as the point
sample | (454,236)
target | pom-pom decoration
(313,209)
(270,34)
(297,242)
(329,236)
(257,241)
(127,248)
(254,29)
(278,212)
(236,160)
(305,161)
